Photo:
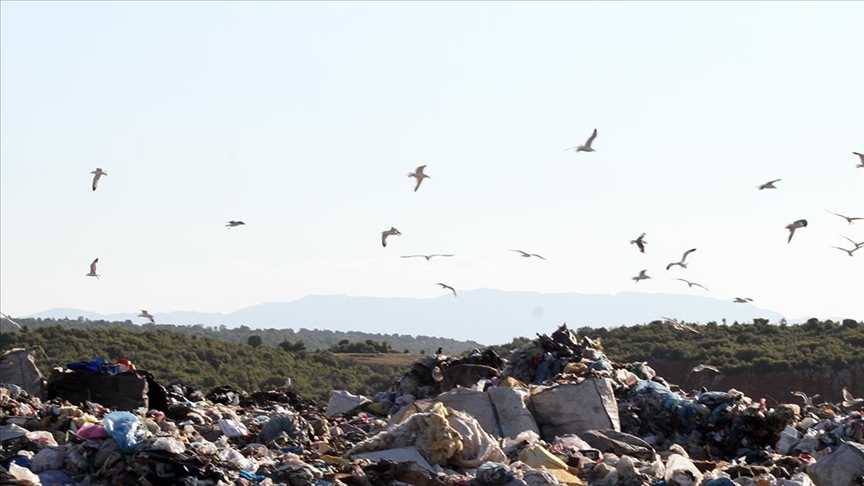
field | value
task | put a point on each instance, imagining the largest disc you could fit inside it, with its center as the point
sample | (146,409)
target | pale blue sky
(303,119)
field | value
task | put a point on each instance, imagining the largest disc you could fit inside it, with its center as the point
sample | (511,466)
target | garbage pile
(556,411)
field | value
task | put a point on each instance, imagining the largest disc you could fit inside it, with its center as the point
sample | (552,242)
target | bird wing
(412,256)
(96,179)
(384,238)
(835,214)
(681,279)
(860,156)
(643,274)
(849,240)
(93,266)
(442,255)
(522,252)
(671,265)
(700,285)
(791,229)
(417,186)
(419,170)
(772,182)
(591,138)
(687,253)
(538,256)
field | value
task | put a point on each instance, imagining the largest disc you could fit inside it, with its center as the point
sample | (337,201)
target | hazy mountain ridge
(486,315)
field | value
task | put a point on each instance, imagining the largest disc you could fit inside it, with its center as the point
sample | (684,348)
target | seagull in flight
(681,263)
(860,156)
(808,401)
(6,316)
(428,257)
(587,146)
(642,276)
(384,234)
(445,286)
(640,242)
(97,174)
(234,224)
(847,218)
(742,300)
(850,252)
(93,269)
(857,245)
(801,223)
(528,255)
(419,175)
(689,283)
(701,367)
(679,326)
(147,315)
(768,185)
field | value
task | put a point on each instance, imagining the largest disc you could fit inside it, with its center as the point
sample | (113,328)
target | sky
(303,119)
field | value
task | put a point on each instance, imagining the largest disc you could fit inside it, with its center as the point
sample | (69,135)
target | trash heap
(556,411)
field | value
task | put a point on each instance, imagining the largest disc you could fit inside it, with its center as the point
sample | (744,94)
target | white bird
(6,316)
(847,218)
(681,263)
(689,283)
(640,242)
(384,234)
(98,173)
(768,185)
(147,315)
(701,367)
(857,245)
(234,224)
(419,175)
(679,326)
(445,286)
(849,401)
(427,257)
(587,146)
(860,156)
(808,401)
(93,269)
(850,252)
(642,276)
(742,300)
(525,254)
(801,223)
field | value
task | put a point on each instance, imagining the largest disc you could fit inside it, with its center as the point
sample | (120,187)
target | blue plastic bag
(125,429)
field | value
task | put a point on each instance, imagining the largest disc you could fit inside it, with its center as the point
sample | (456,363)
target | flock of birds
(419,175)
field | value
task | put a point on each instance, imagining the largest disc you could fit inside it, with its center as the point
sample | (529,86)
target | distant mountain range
(485,315)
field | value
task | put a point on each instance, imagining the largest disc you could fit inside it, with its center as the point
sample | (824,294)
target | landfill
(556,411)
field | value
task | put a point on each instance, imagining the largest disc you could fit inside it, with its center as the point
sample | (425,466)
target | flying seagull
(679,326)
(689,283)
(642,276)
(808,401)
(857,245)
(419,175)
(97,174)
(233,224)
(700,367)
(147,315)
(93,269)
(640,242)
(860,156)
(528,255)
(427,257)
(445,286)
(850,252)
(801,223)
(587,146)
(847,218)
(850,401)
(742,300)
(6,316)
(769,185)
(681,263)
(384,234)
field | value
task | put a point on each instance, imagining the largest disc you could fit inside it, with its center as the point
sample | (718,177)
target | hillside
(816,357)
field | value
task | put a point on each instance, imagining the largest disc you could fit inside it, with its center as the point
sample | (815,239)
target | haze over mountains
(485,315)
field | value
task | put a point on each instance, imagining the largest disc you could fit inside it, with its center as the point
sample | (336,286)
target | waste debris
(556,411)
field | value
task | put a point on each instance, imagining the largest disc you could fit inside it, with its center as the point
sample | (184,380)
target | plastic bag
(125,429)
